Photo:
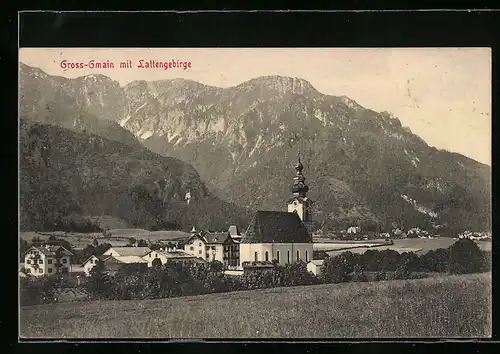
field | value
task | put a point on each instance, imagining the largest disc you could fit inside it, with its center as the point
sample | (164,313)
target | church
(284,236)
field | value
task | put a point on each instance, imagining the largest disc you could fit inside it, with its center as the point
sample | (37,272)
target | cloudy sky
(442,94)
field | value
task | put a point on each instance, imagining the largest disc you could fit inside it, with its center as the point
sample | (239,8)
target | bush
(358,274)
(99,284)
(465,257)
(337,269)
(380,275)
(36,290)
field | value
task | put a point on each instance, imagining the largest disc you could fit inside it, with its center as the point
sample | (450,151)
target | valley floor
(444,306)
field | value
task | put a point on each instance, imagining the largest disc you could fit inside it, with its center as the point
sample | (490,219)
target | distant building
(47,260)
(315,266)
(354,230)
(281,236)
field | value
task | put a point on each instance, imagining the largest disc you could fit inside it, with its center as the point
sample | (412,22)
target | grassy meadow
(443,306)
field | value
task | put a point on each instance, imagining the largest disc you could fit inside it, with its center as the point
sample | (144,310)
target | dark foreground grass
(448,306)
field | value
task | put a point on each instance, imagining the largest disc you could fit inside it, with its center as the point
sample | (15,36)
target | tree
(156,263)
(142,243)
(23,247)
(336,269)
(99,284)
(402,271)
(95,243)
(154,246)
(465,257)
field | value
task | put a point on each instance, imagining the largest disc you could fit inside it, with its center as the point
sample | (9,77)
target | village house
(218,246)
(281,236)
(91,262)
(315,266)
(47,260)
(163,256)
(112,264)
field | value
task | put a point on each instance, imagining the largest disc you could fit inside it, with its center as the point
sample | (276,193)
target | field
(119,237)
(417,245)
(445,306)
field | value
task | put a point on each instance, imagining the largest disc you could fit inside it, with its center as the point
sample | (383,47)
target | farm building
(127,251)
(170,256)
(112,264)
(315,266)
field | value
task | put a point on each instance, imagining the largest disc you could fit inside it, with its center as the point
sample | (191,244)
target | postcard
(318,193)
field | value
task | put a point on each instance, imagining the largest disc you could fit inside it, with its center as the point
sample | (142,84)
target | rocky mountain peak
(282,84)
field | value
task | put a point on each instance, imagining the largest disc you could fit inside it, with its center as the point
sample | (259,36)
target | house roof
(129,259)
(317,262)
(276,227)
(215,237)
(50,250)
(129,251)
(211,237)
(175,254)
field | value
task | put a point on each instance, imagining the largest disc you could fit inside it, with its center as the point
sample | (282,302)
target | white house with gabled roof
(47,260)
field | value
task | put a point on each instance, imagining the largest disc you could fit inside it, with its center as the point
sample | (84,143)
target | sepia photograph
(246,193)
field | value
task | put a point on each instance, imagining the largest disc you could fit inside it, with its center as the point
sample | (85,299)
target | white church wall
(287,252)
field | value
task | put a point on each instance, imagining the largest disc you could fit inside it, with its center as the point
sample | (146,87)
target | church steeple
(300,203)
(299,187)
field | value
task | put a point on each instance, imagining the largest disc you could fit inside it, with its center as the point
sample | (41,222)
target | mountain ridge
(361,164)
(65,174)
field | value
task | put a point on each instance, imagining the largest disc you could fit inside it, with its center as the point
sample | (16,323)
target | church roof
(276,227)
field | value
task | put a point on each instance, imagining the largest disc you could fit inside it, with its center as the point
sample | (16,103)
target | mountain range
(362,167)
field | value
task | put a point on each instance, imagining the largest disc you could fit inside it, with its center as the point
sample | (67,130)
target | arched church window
(278,256)
(267,256)
(298,255)
(306,257)
(256,256)
(288,257)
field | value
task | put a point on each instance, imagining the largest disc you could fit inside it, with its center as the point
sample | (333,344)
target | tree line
(182,279)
